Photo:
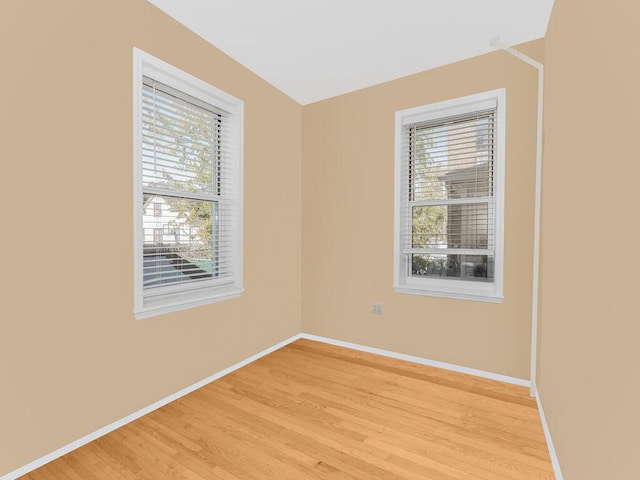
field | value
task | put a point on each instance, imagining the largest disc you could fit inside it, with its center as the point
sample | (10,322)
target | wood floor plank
(459,381)
(320,412)
(448,411)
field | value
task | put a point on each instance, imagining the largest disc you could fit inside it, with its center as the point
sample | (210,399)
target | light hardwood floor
(316,411)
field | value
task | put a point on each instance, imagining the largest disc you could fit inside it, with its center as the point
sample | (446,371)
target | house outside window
(187,192)
(450,198)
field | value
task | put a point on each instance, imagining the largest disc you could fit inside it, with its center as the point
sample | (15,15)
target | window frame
(403,281)
(179,297)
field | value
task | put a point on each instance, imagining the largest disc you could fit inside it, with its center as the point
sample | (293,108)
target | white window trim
(448,288)
(206,292)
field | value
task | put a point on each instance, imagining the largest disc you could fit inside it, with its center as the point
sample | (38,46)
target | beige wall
(589,375)
(72,357)
(348,167)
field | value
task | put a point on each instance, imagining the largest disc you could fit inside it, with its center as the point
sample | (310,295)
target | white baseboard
(420,360)
(386,353)
(547,435)
(130,418)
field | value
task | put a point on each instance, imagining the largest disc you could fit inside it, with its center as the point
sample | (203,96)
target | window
(449,198)
(187,192)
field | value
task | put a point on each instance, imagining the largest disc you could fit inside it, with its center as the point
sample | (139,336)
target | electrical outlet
(376,308)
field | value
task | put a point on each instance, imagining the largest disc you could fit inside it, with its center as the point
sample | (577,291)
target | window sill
(160,306)
(449,294)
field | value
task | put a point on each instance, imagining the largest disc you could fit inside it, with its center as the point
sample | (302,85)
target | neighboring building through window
(188,190)
(449,198)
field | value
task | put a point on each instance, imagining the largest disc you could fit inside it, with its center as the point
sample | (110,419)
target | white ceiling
(320,49)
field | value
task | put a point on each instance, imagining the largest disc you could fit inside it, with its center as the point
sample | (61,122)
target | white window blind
(447,230)
(188,220)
